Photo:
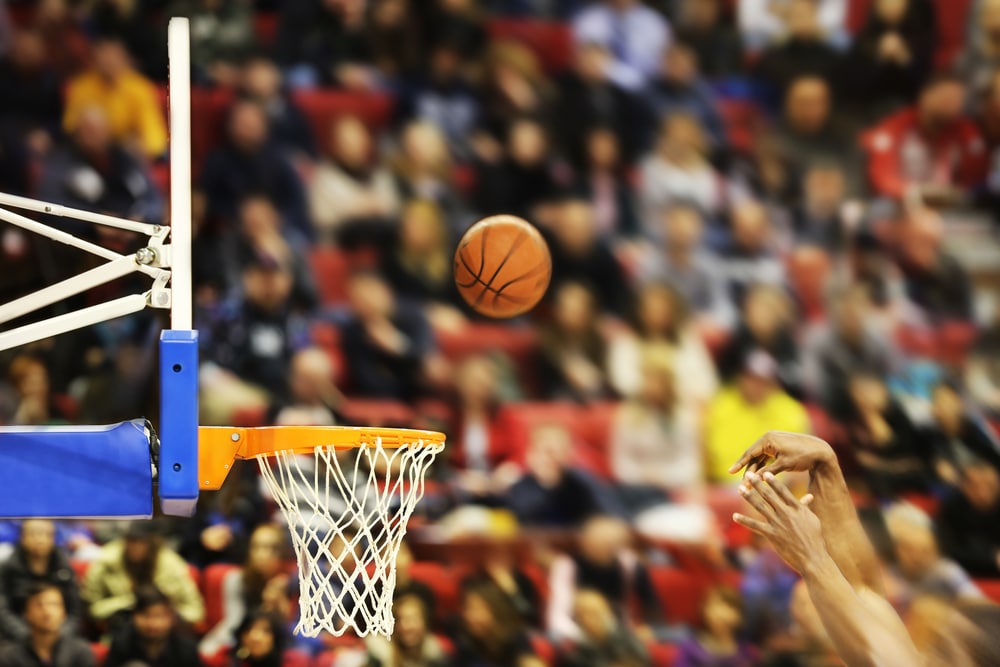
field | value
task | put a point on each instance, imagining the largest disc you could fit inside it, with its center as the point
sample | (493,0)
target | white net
(347,512)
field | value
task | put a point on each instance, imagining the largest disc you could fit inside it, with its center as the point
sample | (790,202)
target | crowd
(748,206)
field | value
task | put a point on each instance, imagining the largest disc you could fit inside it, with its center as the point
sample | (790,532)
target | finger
(752,495)
(775,467)
(749,455)
(756,526)
(807,499)
(782,489)
(756,464)
(767,491)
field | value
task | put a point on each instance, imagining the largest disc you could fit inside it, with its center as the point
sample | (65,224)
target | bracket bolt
(145,256)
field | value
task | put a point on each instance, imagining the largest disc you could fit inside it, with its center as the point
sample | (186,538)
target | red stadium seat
(535,414)
(265,27)
(330,268)
(544,649)
(322,107)
(100,652)
(294,658)
(662,654)
(213,579)
(208,113)
(551,42)
(377,413)
(517,343)
(742,119)
(680,592)
(857,15)
(443,581)
(990,588)
(951,20)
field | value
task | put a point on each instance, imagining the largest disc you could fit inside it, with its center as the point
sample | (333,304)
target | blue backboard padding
(178,422)
(75,471)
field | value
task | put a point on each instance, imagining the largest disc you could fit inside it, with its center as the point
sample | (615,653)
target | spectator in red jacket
(932,149)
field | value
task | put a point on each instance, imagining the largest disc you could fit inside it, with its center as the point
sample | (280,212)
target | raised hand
(787,522)
(780,451)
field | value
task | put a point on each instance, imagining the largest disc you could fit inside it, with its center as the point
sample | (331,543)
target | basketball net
(347,512)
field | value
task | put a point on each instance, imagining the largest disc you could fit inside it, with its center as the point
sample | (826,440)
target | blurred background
(763,214)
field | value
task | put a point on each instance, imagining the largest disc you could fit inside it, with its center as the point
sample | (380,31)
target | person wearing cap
(137,559)
(752,403)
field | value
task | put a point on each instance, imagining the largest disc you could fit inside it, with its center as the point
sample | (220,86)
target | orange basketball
(502,266)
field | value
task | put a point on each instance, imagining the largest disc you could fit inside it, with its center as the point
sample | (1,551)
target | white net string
(347,513)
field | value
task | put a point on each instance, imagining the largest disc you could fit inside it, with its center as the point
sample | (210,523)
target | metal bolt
(225,467)
(235,437)
(162,298)
(145,256)
(156,229)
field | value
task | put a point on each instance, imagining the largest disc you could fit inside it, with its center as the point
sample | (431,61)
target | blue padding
(178,422)
(75,471)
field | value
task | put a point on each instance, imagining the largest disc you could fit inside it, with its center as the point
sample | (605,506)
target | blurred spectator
(764,21)
(249,163)
(587,97)
(515,87)
(36,560)
(604,563)
(261,638)
(706,27)
(807,643)
(767,173)
(261,80)
(552,492)
(767,324)
(396,39)
(572,351)
(29,378)
(605,183)
(251,339)
(66,45)
(503,565)
(767,588)
(822,219)
(804,48)
(930,149)
(679,170)
(968,522)
(935,281)
(870,264)
(753,403)
(128,99)
(323,42)
(982,370)
(152,636)
(603,641)
(634,34)
(919,568)
(892,55)
(660,323)
(47,642)
(484,435)
(129,565)
(407,586)
(444,97)
(749,258)
(848,344)
(655,445)
(522,177)
(489,633)
(411,644)
(31,90)
(980,56)
(135,23)
(96,173)
(221,36)
(683,261)
(260,585)
(679,89)
(580,255)
(422,166)
(351,191)
(261,235)
(313,398)
(717,644)
(956,436)
(456,22)
(387,342)
(893,457)
(811,133)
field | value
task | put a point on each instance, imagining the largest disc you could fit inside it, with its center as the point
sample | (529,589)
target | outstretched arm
(846,541)
(863,627)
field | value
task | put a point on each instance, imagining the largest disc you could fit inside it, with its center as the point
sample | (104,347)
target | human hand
(778,451)
(386,336)
(792,528)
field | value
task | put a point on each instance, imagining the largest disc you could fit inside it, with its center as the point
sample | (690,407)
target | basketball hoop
(346,494)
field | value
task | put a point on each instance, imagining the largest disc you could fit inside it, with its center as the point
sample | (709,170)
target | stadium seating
(551,42)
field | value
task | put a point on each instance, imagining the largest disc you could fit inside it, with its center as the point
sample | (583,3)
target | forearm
(864,630)
(843,533)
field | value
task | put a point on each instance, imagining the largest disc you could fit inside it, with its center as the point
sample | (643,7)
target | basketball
(502,266)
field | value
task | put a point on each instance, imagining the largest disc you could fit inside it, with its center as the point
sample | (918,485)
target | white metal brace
(153,260)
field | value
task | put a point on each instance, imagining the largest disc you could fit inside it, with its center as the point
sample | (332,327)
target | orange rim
(219,446)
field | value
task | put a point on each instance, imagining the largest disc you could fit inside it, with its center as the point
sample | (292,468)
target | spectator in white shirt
(763,21)
(635,35)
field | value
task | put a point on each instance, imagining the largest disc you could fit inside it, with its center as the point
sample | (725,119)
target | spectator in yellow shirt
(745,409)
(129,100)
